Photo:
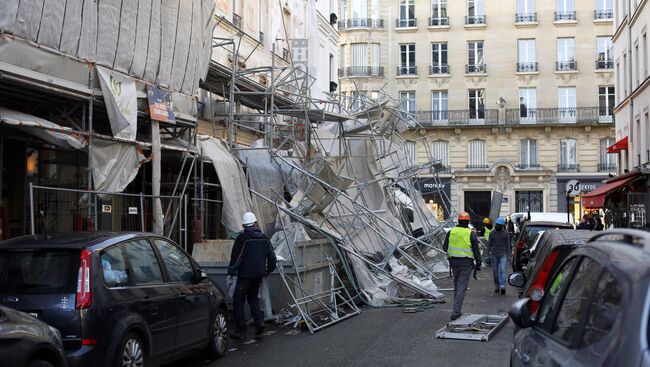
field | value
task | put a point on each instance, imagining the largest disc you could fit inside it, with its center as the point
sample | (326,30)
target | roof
(547,224)
(69,240)
(569,236)
(628,250)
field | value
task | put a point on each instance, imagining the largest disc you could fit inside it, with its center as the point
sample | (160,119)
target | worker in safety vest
(461,245)
(487,228)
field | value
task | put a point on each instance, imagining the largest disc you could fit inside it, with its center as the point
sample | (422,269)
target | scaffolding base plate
(473,327)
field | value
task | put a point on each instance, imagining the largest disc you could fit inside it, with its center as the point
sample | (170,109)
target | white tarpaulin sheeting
(235,192)
(121,103)
(114,164)
(46,130)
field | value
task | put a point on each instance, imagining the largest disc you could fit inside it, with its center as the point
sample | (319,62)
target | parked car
(594,311)
(115,296)
(26,341)
(540,217)
(529,231)
(553,247)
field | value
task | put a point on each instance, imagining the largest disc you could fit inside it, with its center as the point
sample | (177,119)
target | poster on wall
(121,102)
(161,107)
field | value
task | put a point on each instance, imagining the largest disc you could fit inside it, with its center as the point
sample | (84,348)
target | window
(374,9)
(625,73)
(566,103)
(143,262)
(607,160)
(527,104)
(407,59)
(528,157)
(343,61)
(566,54)
(576,302)
(477,157)
(359,9)
(604,58)
(475,8)
(475,57)
(439,105)
(605,103)
(38,271)
(565,6)
(358,100)
(343,12)
(568,154)
(645,54)
(409,151)
(637,72)
(114,267)
(525,6)
(476,101)
(647,136)
(526,55)
(605,308)
(604,9)
(439,58)
(406,13)
(407,101)
(359,59)
(440,151)
(178,264)
(375,47)
(438,13)
(554,290)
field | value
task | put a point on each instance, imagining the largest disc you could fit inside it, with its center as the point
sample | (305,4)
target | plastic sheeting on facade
(140,38)
(235,192)
(44,129)
(114,165)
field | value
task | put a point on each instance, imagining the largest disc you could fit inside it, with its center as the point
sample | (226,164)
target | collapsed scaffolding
(335,170)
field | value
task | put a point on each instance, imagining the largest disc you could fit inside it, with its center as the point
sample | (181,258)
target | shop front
(436,193)
(570,191)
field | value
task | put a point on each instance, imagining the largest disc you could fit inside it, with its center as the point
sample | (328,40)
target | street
(382,337)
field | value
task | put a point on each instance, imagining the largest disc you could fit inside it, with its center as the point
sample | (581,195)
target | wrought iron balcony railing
(582,115)
(526,67)
(566,65)
(458,117)
(361,23)
(604,64)
(406,23)
(476,69)
(438,69)
(606,167)
(529,166)
(565,15)
(526,17)
(433,22)
(477,167)
(568,167)
(475,19)
(362,71)
(407,70)
(603,14)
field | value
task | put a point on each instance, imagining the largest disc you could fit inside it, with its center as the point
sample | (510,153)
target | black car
(595,307)
(26,341)
(115,297)
(527,235)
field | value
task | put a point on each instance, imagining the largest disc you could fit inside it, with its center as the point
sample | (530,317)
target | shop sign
(160,105)
(133,210)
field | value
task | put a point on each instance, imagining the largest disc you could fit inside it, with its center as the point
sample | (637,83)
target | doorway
(477,204)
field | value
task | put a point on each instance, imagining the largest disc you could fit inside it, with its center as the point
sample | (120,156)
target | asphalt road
(381,337)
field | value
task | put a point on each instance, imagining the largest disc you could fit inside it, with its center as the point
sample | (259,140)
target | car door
(155,297)
(192,297)
(555,336)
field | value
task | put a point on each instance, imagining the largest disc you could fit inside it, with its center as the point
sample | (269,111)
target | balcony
(457,117)
(606,167)
(406,23)
(361,71)
(529,166)
(477,167)
(570,167)
(604,64)
(581,115)
(603,14)
(476,69)
(361,23)
(527,67)
(407,71)
(526,17)
(438,69)
(475,20)
(437,22)
(566,66)
(563,16)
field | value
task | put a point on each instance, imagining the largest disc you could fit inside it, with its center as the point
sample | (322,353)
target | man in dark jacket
(499,248)
(251,260)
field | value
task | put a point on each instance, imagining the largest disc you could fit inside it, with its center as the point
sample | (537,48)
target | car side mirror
(201,276)
(520,313)
(517,279)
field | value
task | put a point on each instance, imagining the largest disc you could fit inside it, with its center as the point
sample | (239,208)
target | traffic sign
(573,188)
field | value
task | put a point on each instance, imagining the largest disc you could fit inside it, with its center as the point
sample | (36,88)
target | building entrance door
(529,200)
(477,204)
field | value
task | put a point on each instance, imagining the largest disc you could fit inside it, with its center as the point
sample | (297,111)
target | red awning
(618,146)
(596,199)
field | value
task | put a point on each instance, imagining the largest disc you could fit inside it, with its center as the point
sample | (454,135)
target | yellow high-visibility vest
(459,243)
(486,233)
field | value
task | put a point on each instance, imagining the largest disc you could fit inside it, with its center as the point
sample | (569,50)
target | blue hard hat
(500,221)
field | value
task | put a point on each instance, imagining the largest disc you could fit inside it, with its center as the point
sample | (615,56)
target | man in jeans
(251,260)
(461,245)
(499,248)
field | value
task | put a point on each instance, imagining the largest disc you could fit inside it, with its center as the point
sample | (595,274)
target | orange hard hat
(463,216)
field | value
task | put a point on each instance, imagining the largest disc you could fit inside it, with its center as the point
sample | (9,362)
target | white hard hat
(248,219)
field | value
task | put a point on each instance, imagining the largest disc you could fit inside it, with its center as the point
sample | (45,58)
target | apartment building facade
(515,97)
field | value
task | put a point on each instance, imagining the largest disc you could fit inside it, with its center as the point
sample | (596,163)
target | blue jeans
(499,271)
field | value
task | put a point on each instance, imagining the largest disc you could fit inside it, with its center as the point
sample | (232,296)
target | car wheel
(218,343)
(131,352)
(39,363)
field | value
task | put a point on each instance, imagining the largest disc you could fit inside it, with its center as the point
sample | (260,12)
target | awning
(618,146)
(44,129)
(596,198)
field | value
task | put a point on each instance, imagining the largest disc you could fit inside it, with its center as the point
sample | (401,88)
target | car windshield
(531,231)
(38,271)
